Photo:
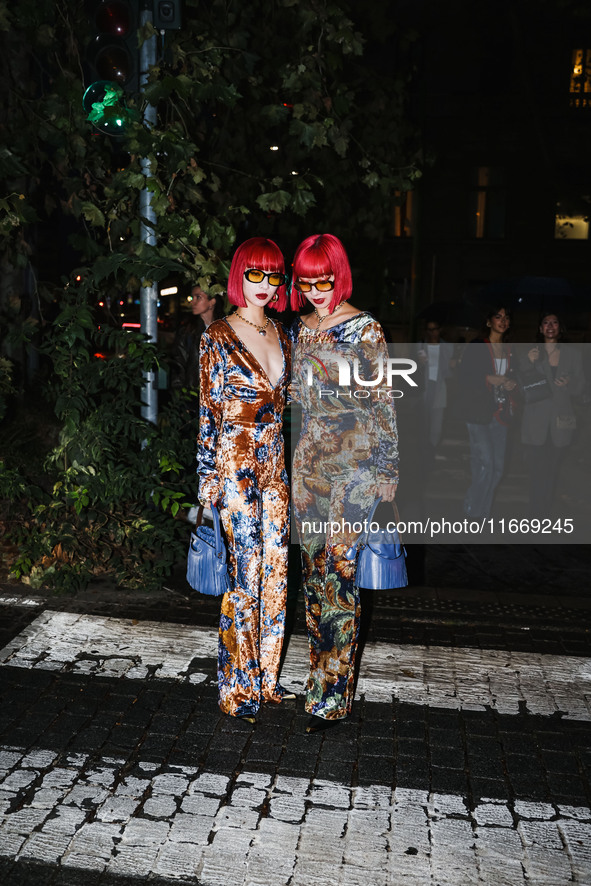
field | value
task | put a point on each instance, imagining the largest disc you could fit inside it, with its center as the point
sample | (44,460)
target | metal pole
(148,294)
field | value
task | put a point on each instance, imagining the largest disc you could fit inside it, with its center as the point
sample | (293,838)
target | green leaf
(93,214)
(275,201)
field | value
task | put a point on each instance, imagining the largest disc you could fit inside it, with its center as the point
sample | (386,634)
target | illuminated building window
(571,222)
(580,79)
(403,214)
(487,203)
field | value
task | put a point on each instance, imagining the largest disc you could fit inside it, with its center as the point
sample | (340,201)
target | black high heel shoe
(319,724)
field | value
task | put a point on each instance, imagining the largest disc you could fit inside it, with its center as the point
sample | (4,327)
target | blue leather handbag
(207,567)
(381,558)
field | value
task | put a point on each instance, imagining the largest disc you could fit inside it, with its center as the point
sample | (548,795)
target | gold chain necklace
(262,329)
(321,319)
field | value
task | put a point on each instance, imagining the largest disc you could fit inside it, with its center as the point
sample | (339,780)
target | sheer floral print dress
(241,466)
(346,447)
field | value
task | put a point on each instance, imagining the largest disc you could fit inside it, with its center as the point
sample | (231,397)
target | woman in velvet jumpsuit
(346,456)
(244,372)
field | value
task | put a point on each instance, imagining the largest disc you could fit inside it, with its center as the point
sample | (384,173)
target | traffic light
(112,52)
(111,63)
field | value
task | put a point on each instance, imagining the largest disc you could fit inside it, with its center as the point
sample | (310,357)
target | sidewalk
(466,761)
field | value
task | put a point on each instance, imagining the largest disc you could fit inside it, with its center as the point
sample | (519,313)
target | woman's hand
(387,491)
(501,381)
(562,381)
(210,491)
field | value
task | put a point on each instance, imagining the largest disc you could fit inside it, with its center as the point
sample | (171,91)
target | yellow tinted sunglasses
(254,275)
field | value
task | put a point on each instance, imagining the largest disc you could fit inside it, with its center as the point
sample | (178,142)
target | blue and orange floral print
(240,458)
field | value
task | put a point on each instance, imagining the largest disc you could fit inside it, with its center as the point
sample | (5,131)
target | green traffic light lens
(97,92)
(104,103)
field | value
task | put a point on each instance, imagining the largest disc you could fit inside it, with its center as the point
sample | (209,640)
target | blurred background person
(435,357)
(548,425)
(485,388)
(184,358)
(205,309)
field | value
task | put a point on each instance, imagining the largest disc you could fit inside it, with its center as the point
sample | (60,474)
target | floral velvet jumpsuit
(347,446)
(240,457)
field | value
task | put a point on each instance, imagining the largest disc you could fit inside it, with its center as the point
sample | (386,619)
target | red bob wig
(258,252)
(318,255)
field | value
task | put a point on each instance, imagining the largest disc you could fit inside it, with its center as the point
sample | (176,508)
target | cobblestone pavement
(466,761)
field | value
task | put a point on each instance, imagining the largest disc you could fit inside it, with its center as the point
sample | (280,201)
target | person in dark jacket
(485,388)
(548,426)
(205,309)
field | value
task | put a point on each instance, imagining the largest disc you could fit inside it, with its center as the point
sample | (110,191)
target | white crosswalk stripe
(85,814)
(312,833)
(438,676)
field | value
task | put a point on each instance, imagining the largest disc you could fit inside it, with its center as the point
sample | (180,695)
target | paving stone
(489,788)
(117,809)
(160,807)
(11,842)
(288,809)
(411,729)
(298,763)
(534,810)
(200,804)
(23,822)
(16,781)
(263,754)
(493,814)
(178,860)
(412,771)
(188,828)
(451,781)
(236,818)
(372,770)
(556,761)
(448,757)
(544,834)
(45,847)
(486,768)
(370,822)
(340,771)
(198,809)
(547,866)
(577,836)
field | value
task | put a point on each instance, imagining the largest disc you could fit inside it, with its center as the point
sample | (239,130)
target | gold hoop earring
(275,297)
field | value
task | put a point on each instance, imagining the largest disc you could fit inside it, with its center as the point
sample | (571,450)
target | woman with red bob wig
(322,256)
(346,456)
(258,252)
(244,371)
